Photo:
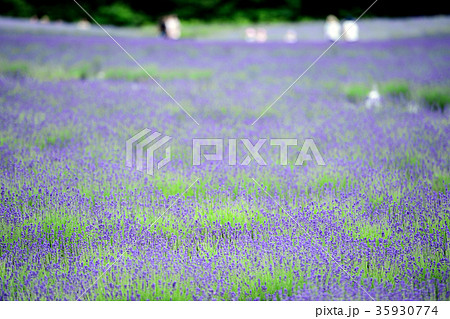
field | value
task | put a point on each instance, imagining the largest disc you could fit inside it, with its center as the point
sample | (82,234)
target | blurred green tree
(137,12)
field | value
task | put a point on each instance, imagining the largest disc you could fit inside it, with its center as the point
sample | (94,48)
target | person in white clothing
(373,99)
(261,35)
(290,36)
(250,35)
(170,27)
(351,31)
(332,28)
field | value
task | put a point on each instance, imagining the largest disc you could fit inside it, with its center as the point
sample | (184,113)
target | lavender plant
(76,223)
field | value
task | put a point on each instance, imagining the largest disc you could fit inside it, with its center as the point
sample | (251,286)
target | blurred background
(138,13)
(376,104)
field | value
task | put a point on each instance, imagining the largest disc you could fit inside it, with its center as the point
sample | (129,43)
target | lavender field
(78,224)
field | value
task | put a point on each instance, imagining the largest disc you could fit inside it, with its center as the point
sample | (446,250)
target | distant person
(290,36)
(173,27)
(170,27)
(332,28)
(412,107)
(162,27)
(373,98)
(83,24)
(250,35)
(351,30)
(45,20)
(261,35)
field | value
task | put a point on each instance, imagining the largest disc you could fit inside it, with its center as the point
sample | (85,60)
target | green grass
(44,72)
(54,136)
(441,182)
(436,97)
(128,73)
(14,68)
(91,70)
(335,181)
(62,231)
(358,91)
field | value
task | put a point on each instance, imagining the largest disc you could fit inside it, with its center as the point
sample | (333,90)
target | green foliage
(396,88)
(437,97)
(135,12)
(120,14)
(14,68)
(356,92)
(48,72)
(17,8)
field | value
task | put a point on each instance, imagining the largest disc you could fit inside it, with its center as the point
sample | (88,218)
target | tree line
(138,12)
